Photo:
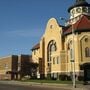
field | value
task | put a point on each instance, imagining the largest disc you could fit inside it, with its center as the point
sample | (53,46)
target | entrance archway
(86,68)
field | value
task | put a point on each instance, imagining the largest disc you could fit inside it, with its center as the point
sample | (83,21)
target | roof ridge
(36,46)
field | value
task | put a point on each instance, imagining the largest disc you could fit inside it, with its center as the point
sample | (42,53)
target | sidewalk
(65,86)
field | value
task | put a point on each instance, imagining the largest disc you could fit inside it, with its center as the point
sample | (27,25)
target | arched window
(53,47)
(86,39)
(87,52)
(71,54)
(70,50)
(50,49)
(69,45)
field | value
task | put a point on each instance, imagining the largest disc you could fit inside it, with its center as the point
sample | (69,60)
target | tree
(28,68)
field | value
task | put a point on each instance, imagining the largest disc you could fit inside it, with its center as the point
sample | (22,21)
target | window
(78,10)
(54,60)
(51,26)
(53,47)
(69,45)
(85,9)
(48,64)
(87,52)
(34,52)
(71,54)
(57,60)
(86,39)
(88,9)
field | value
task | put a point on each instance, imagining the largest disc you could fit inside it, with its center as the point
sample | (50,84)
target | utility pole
(73,52)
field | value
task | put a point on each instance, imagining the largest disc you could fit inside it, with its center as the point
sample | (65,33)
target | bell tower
(79,8)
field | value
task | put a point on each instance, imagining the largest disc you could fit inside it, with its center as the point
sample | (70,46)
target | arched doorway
(86,68)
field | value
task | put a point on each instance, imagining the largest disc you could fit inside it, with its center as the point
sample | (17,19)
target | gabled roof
(37,46)
(81,25)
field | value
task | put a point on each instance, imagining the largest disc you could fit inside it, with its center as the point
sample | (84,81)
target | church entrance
(86,68)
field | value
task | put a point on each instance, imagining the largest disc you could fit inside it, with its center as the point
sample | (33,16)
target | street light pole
(73,52)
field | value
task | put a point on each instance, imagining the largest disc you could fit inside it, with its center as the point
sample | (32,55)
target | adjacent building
(8,67)
(64,48)
(14,66)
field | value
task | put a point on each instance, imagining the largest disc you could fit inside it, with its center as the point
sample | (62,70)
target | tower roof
(79,3)
(82,25)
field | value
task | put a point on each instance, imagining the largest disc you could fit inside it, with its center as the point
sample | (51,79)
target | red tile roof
(37,46)
(82,25)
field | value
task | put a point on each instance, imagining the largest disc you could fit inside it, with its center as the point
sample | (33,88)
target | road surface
(20,87)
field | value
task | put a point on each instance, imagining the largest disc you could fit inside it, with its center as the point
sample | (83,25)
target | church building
(64,49)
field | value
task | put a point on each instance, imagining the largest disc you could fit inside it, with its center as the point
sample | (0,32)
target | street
(20,87)
(17,85)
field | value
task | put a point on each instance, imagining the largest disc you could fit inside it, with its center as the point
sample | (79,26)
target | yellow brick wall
(53,31)
(5,64)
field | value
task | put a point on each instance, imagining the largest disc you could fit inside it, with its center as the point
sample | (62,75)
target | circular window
(78,10)
(84,9)
(73,11)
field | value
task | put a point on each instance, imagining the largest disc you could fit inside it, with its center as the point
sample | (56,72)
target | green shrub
(80,78)
(63,77)
(69,78)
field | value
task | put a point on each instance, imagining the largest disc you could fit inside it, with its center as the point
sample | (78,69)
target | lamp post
(73,52)
(73,58)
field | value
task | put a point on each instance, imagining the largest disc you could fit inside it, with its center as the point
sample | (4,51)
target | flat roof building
(14,66)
